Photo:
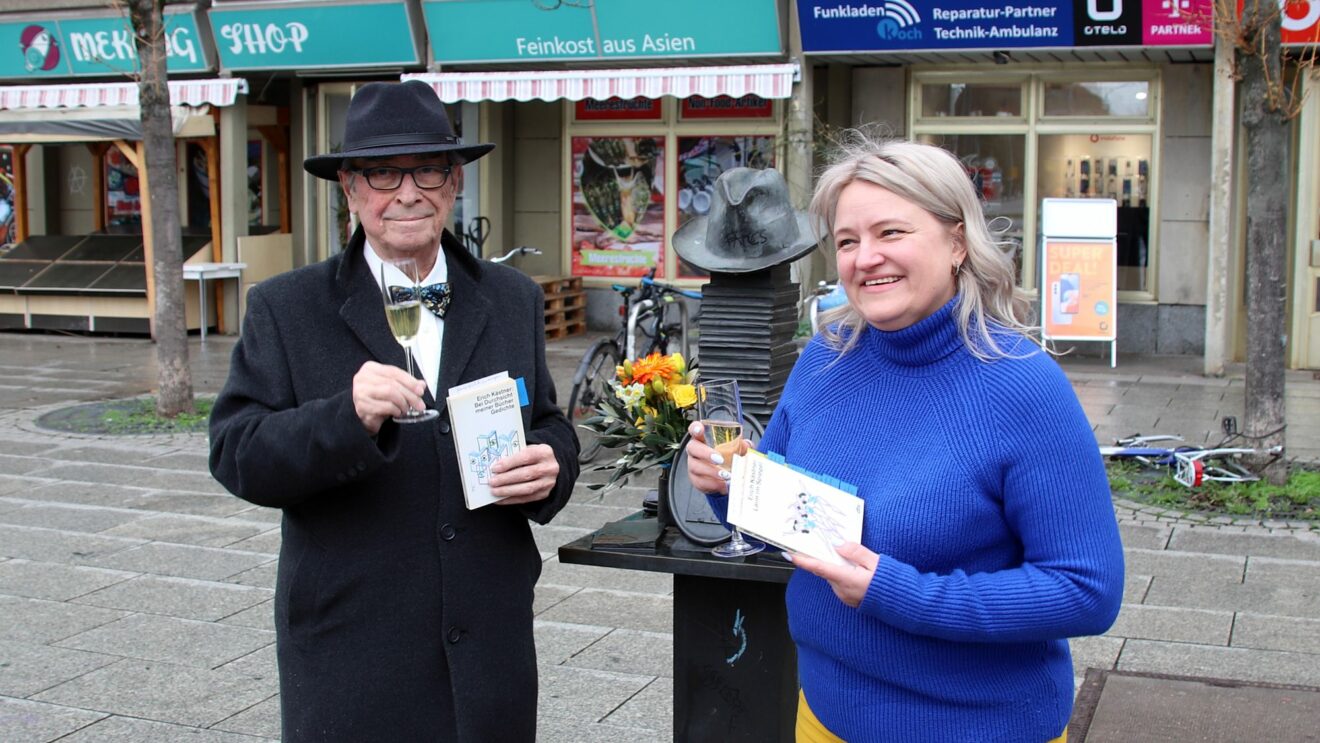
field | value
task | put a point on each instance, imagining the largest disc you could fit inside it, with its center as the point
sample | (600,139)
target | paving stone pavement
(136,594)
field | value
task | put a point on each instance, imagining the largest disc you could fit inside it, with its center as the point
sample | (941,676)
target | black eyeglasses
(387,178)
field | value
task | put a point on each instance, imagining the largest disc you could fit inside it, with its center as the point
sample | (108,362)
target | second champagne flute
(403,311)
(720,408)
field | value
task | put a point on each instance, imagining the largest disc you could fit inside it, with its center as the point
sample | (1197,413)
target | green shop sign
(98,46)
(555,30)
(301,36)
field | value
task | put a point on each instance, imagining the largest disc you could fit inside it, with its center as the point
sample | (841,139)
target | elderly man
(400,615)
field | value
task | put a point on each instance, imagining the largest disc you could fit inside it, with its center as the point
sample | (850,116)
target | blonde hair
(935,180)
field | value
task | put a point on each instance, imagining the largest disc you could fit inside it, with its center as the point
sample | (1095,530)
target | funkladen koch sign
(913,25)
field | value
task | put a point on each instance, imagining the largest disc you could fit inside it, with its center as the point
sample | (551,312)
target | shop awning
(43,114)
(216,92)
(766,81)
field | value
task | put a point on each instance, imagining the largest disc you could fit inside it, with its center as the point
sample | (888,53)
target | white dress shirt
(426,346)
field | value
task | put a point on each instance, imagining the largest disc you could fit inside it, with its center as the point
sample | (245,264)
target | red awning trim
(766,81)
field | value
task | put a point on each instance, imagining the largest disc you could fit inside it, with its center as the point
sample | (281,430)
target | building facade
(612,121)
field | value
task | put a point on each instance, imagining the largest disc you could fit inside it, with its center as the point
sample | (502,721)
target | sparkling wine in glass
(403,312)
(720,408)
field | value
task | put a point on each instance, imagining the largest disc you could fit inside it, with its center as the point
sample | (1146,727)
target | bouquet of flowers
(646,417)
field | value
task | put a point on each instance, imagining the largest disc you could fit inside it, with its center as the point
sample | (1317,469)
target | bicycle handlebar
(663,287)
(648,281)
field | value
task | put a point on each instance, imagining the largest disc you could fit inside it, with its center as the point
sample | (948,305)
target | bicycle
(1192,466)
(824,297)
(647,311)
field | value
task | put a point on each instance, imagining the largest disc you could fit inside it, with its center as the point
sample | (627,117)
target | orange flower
(655,365)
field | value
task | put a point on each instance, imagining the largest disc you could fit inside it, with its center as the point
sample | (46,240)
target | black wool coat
(399,614)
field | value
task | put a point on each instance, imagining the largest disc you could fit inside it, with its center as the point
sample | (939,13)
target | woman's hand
(849,582)
(706,468)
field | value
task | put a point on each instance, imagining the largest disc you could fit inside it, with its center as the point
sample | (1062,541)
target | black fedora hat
(751,225)
(386,119)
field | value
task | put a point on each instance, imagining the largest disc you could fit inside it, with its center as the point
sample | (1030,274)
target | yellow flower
(683,395)
(678,373)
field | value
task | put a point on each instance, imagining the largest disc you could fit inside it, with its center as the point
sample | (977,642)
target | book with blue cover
(792,509)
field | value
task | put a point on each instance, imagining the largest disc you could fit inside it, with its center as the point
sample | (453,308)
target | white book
(792,510)
(486,418)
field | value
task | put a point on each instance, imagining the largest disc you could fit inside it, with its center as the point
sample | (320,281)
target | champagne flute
(403,312)
(720,409)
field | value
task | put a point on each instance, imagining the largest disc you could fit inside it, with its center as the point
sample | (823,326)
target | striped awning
(216,92)
(766,81)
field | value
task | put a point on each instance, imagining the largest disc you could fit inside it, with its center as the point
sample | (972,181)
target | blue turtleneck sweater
(986,500)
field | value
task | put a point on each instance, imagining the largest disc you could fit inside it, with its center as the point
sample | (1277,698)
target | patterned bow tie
(435,297)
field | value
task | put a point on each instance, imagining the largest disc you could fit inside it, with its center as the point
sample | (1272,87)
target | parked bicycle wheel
(591,383)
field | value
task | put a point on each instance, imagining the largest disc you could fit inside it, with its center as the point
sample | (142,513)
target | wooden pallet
(565,306)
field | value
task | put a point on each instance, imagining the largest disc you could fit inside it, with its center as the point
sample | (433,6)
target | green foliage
(1299,499)
(126,417)
(142,418)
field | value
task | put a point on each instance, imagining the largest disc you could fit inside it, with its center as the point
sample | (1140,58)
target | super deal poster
(1080,293)
(618,206)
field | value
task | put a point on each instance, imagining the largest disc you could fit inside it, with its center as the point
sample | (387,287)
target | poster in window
(123,200)
(199,188)
(618,206)
(254,182)
(700,162)
(6,198)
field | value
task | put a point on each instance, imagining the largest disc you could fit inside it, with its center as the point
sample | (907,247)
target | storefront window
(971,99)
(1097,98)
(618,206)
(1108,166)
(700,162)
(996,166)
(1085,139)
(640,169)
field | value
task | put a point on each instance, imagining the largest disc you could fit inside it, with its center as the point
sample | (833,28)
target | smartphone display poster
(1079,290)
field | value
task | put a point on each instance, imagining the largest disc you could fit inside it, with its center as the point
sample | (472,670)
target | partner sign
(832,26)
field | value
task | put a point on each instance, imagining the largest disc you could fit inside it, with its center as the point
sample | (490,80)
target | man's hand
(525,476)
(381,391)
(849,582)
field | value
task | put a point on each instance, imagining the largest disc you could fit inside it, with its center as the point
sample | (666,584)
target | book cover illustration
(792,509)
(490,448)
(485,416)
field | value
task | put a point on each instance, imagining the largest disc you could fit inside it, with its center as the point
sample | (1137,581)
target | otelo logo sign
(896,21)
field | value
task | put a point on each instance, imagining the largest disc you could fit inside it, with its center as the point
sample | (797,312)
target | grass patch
(134,416)
(1299,499)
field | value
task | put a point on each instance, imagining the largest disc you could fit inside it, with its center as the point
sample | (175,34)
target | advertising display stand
(1079,272)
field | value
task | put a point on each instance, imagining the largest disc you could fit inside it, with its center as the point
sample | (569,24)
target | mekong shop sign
(50,47)
(276,36)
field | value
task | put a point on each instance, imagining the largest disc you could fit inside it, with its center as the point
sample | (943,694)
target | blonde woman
(983,549)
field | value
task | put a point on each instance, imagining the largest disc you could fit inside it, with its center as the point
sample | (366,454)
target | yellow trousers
(810,730)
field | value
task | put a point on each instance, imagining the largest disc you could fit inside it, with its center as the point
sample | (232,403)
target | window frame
(1035,123)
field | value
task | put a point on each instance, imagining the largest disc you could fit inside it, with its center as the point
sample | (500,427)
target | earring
(955,270)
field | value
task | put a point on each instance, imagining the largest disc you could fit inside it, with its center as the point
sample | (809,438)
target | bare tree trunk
(174,377)
(1265,120)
